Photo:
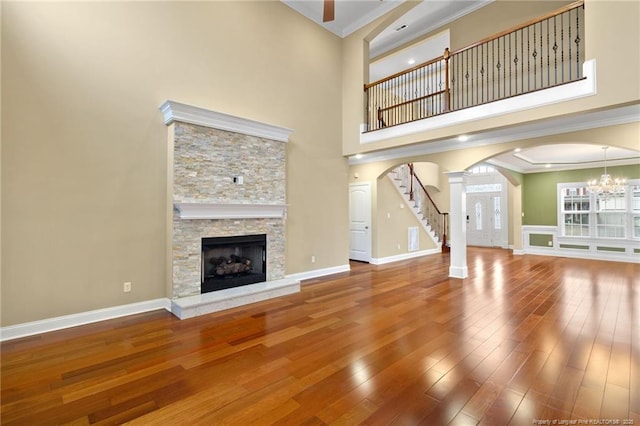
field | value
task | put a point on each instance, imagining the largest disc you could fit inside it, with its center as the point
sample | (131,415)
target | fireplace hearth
(229,262)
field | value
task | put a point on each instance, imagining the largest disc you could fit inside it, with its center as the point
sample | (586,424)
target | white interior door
(360,221)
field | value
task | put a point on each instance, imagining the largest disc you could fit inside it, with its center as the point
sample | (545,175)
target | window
(610,214)
(485,187)
(583,214)
(497,215)
(482,169)
(635,210)
(575,211)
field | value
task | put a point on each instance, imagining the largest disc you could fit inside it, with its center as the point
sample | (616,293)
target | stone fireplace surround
(227,177)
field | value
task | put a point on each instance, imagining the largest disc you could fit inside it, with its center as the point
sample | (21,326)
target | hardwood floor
(523,339)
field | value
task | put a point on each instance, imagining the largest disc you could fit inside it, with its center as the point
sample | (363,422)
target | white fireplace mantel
(203,210)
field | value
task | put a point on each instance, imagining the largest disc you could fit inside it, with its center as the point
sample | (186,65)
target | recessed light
(358,156)
(463,138)
(412,61)
(517,150)
(548,166)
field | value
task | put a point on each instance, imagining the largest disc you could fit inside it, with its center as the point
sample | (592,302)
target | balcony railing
(539,54)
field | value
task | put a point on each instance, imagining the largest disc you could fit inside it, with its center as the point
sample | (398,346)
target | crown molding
(176,111)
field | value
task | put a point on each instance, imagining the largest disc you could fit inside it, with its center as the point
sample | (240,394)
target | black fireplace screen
(229,262)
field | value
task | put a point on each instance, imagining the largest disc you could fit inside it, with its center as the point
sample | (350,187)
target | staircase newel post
(445,247)
(447,93)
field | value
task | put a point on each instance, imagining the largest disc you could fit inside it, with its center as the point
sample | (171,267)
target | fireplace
(227,177)
(235,261)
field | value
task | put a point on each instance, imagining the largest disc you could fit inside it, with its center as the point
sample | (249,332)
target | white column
(458,226)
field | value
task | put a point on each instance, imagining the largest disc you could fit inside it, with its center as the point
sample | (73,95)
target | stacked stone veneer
(205,161)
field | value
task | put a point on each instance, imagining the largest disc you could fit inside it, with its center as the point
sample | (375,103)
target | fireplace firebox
(229,262)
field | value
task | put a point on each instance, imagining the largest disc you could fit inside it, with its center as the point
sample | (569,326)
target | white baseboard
(458,272)
(404,256)
(319,272)
(73,320)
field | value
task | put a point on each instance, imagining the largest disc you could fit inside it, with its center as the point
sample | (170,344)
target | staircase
(433,221)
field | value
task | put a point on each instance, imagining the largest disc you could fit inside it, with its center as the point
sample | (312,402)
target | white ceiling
(428,15)
(564,157)
(350,15)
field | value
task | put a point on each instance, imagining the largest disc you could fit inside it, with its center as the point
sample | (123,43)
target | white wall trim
(81,318)
(404,256)
(300,276)
(551,126)
(458,272)
(176,111)
(582,254)
(628,255)
(202,210)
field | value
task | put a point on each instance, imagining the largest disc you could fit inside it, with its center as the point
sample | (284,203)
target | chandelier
(606,184)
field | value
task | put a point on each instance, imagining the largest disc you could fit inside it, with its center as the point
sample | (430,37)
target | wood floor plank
(503,408)
(587,403)
(522,338)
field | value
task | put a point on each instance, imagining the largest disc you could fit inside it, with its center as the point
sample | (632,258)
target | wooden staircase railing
(436,219)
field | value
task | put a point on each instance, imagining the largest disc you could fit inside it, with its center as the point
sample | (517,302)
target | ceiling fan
(328,12)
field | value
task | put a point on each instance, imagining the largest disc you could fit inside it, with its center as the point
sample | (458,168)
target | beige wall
(607,24)
(497,16)
(84,148)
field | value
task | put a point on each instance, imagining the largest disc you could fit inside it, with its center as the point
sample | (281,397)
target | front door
(484,224)
(360,221)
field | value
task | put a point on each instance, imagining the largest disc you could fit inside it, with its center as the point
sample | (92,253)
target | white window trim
(629,214)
